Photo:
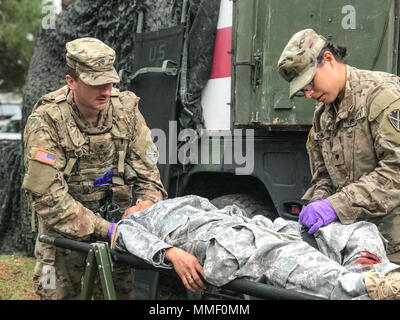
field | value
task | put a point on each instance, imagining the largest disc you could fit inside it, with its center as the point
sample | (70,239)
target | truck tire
(250,204)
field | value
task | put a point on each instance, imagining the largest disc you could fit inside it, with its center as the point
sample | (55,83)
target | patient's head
(140,205)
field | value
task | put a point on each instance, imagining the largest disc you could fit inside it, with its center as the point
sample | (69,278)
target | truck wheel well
(215,184)
(251,206)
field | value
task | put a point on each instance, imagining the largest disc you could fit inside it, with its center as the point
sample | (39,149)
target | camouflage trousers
(274,253)
(58,274)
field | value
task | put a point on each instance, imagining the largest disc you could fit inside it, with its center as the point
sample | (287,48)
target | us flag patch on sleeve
(46,157)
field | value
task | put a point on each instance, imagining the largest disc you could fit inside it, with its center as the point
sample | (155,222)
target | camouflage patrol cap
(298,61)
(92,60)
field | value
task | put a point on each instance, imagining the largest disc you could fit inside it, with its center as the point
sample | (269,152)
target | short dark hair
(71,72)
(339,52)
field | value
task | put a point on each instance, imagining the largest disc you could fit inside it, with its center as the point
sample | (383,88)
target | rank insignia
(394,118)
(151,155)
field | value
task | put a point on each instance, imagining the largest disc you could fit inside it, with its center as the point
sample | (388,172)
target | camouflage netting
(113,22)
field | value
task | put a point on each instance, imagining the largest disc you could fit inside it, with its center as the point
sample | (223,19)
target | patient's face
(141,205)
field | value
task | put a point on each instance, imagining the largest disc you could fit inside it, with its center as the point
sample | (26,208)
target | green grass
(16,273)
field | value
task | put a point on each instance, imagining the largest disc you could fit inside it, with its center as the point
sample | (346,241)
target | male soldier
(87,148)
(354,144)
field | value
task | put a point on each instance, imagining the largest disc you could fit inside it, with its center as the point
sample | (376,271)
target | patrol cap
(92,60)
(298,61)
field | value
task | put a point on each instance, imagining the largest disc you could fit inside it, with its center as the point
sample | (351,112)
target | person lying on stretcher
(194,237)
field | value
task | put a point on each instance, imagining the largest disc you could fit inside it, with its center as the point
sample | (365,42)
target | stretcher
(100,258)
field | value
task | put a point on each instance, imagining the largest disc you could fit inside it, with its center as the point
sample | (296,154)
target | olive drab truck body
(249,146)
(252,142)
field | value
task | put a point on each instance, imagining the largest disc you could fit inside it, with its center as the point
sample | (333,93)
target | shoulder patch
(151,155)
(383,100)
(45,157)
(394,118)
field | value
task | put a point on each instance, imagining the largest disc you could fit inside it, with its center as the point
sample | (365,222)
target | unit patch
(46,157)
(151,155)
(394,118)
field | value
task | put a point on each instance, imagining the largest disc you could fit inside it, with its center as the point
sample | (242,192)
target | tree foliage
(20,21)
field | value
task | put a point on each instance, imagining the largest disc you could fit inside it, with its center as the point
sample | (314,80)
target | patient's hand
(140,205)
(187,267)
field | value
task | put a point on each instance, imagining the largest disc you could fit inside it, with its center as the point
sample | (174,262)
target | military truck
(249,146)
(239,139)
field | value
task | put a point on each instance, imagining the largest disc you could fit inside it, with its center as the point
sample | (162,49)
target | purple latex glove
(111,229)
(317,214)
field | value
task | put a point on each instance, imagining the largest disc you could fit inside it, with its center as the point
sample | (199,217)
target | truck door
(261,28)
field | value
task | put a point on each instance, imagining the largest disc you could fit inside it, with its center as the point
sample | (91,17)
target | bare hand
(187,267)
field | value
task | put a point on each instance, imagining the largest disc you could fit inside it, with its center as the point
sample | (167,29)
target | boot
(381,287)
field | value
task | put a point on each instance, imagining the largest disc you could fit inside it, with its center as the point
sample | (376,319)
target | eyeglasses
(307,88)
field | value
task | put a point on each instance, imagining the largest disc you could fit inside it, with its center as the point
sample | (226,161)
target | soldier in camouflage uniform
(354,144)
(225,244)
(87,150)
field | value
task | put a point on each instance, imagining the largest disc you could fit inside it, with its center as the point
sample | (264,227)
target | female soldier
(354,144)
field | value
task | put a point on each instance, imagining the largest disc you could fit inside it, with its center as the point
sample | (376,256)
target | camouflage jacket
(65,154)
(354,151)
